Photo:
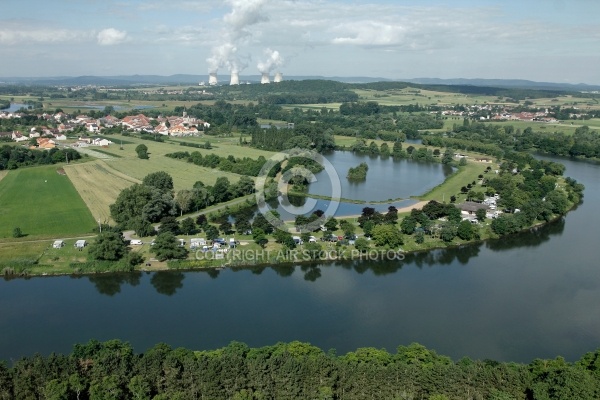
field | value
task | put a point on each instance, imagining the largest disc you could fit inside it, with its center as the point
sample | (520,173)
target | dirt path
(3,174)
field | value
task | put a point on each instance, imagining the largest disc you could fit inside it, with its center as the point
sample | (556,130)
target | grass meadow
(43,204)
(99,185)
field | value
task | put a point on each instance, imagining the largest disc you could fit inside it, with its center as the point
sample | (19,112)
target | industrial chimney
(235,79)
(265,78)
(212,79)
(278,77)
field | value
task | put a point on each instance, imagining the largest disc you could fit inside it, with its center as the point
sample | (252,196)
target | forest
(295,370)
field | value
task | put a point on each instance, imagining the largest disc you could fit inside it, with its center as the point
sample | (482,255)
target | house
(81,243)
(101,142)
(45,143)
(470,207)
(92,127)
(60,136)
(18,137)
(58,244)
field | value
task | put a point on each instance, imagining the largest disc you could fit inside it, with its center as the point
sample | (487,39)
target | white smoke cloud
(111,36)
(274,60)
(243,15)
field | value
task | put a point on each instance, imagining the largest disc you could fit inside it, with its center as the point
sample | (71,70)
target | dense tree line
(293,92)
(242,166)
(306,136)
(489,138)
(112,370)
(13,157)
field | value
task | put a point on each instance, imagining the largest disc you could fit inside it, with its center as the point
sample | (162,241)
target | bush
(17,233)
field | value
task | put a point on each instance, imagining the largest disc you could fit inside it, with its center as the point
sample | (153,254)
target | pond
(532,295)
(389,182)
(16,107)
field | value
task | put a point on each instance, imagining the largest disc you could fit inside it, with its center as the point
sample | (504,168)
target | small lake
(15,107)
(387,179)
(536,294)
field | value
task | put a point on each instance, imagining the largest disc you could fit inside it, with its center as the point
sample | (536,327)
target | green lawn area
(43,204)
(451,186)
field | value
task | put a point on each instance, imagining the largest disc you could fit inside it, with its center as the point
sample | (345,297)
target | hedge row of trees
(112,370)
(13,157)
(492,139)
(242,166)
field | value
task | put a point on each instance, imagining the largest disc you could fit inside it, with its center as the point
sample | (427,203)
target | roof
(472,206)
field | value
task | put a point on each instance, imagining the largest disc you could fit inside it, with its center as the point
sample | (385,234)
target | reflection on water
(167,282)
(110,284)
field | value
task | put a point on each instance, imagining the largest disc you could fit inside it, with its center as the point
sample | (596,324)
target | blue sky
(541,40)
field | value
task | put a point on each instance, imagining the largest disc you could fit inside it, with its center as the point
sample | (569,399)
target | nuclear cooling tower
(265,78)
(278,77)
(235,79)
(212,79)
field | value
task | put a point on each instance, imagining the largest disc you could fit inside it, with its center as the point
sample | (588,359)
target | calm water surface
(532,295)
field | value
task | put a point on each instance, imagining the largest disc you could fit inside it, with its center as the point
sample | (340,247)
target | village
(61,125)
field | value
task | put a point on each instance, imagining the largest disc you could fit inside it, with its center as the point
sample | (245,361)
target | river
(531,295)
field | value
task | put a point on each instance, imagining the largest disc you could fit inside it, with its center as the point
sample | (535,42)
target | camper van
(136,242)
(58,244)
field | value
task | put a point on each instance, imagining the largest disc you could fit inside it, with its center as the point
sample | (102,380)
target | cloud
(111,36)
(18,32)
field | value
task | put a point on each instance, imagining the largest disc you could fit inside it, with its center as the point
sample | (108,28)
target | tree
(391,217)
(387,236)
(188,226)
(211,232)
(408,225)
(166,247)
(160,180)
(226,227)
(108,246)
(17,233)
(465,230)
(220,190)
(169,224)
(361,244)
(331,224)
(183,199)
(348,227)
(419,237)
(448,156)
(142,151)
(448,232)
(480,214)
(259,236)
(262,223)
(142,227)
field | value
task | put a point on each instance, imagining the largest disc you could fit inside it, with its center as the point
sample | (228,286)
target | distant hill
(186,79)
(505,83)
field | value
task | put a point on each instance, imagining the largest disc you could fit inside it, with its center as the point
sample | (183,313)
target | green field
(451,186)
(43,204)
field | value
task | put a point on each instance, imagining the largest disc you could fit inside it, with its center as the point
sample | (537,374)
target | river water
(536,294)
